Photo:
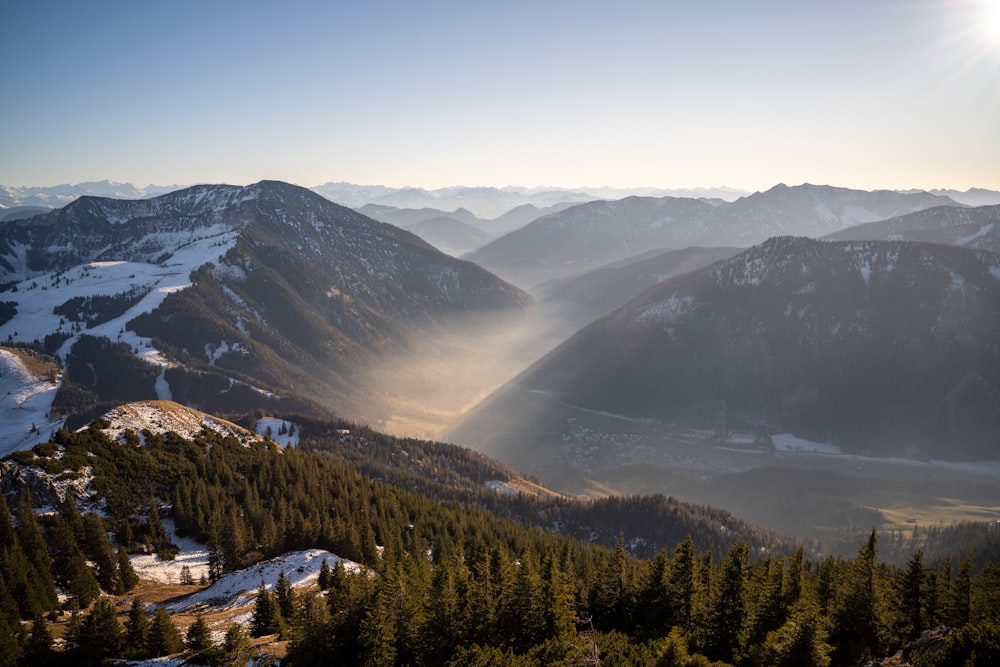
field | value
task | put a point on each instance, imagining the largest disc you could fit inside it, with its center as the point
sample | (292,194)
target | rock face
(919,651)
(267,294)
(874,346)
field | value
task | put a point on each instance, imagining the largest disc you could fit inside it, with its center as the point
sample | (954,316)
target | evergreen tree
(681,584)
(237,650)
(911,598)
(284,597)
(98,549)
(859,617)
(38,651)
(199,635)
(101,635)
(265,614)
(324,576)
(129,579)
(729,612)
(800,641)
(377,634)
(136,640)
(164,638)
(959,601)
(39,593)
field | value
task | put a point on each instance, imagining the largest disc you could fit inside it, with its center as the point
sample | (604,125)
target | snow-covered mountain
(235,295)
(589,235)
(57,196)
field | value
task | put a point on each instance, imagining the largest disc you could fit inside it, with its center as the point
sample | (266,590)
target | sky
(854,93)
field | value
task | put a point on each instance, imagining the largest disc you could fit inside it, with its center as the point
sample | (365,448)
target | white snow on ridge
(237,589)
(25,402)
(164,416)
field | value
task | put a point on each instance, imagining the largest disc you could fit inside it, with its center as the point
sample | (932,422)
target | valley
(234,382)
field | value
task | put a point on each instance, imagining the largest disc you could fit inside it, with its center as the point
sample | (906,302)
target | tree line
(455,579)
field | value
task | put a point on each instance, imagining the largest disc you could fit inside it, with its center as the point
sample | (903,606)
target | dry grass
(37,364)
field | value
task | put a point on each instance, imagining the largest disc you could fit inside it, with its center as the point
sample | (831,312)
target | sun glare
(989,18)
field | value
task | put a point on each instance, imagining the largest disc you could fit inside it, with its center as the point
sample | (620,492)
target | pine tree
(284,597)
(959,601)
(101,635)
(164,638)
(236,648)
(859,617)
(729,613)
(39,594)
(136,641)
(324,576)
(199,635)
(265,614)
(38,651)
(98,549)
(126,573)
(911,598)
(681,584)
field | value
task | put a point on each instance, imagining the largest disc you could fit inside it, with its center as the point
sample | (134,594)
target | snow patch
(25,405)
(237,589)
(983,231)
(283,432)
(786,442)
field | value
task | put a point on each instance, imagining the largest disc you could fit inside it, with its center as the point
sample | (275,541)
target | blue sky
(868,94)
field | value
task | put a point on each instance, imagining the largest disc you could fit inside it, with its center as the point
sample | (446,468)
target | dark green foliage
(136,640)
(266,615)
(199,635)
(164,638)
(8,309)
(100,372)
(99,308)
(101,635)
(458,579)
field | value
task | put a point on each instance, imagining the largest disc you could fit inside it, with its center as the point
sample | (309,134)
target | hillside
(967,227)
(813,387)
(312,558)
(228,298)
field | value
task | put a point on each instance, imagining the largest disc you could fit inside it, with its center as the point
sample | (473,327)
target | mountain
(404,217)
(449,235)
(22,212)
(799,384)
(60,195)
(971,197)
(579,300)
(868,345)
(266,294)
(969,227)
(589,235)
(522,215)
(807,210)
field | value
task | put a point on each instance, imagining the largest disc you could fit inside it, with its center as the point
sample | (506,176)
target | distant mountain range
(267,294)
(588,235)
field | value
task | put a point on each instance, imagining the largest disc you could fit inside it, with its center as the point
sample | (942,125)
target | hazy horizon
(857,94)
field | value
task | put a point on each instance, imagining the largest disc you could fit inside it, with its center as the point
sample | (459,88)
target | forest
(454,574)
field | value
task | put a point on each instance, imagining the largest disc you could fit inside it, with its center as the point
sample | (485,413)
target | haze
(887,94)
